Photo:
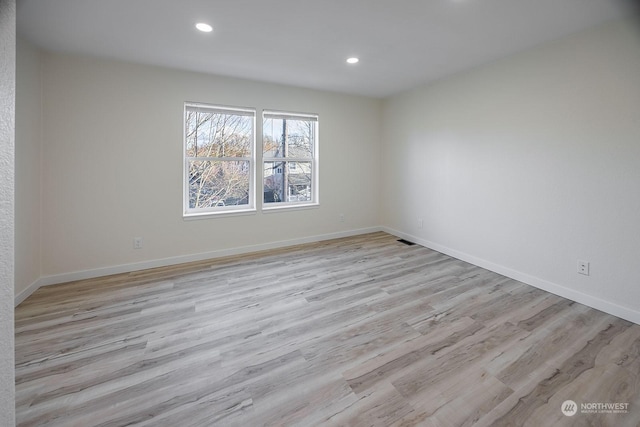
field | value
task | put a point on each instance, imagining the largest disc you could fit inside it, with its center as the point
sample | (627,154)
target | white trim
(222,109)
(251,205)
(27,291)
(288,206)
(580,297)
(164,262)
(289,115)
(217,214)
(314,160)
(554,288)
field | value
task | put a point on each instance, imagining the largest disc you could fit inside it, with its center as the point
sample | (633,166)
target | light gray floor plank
(362,331)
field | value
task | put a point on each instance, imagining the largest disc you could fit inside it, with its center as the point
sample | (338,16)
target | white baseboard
(563,291)
(164,262)
(580,297)
(21,296)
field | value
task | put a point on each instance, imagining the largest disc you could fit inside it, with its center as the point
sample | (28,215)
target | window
(289,155)
(218,159)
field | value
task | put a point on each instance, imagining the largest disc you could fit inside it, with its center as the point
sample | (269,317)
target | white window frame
(189,212)
(314,160)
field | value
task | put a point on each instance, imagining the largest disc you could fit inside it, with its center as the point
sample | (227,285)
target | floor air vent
(406,242)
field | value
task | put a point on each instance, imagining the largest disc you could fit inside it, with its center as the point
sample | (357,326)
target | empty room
(341,213)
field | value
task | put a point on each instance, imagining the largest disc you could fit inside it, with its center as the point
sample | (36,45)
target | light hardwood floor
(363,331)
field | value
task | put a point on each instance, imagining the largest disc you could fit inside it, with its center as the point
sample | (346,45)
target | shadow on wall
(635,6)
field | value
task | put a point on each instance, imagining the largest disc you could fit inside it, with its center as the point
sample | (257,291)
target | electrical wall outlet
(583,267)
(137,242)
(341,217)
(420,223)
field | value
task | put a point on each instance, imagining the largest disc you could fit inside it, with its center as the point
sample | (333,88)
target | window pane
(212,134)
(288,138)
(287,182)
(217,184)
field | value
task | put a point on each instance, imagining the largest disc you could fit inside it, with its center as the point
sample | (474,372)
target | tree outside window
(219,161)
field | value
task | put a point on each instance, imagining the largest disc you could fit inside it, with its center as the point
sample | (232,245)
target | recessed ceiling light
(353,60)
(205,28)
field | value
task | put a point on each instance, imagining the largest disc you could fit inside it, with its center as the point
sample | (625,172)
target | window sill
(209,215)
(273,209)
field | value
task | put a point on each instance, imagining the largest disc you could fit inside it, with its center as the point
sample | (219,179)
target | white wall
(112,165)
(7,141)
(28,166)
(528,164)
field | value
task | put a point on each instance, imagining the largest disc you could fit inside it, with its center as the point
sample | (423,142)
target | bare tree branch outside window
(218,151)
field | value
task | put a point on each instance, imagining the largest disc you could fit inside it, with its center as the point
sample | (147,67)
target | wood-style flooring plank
(361,331)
